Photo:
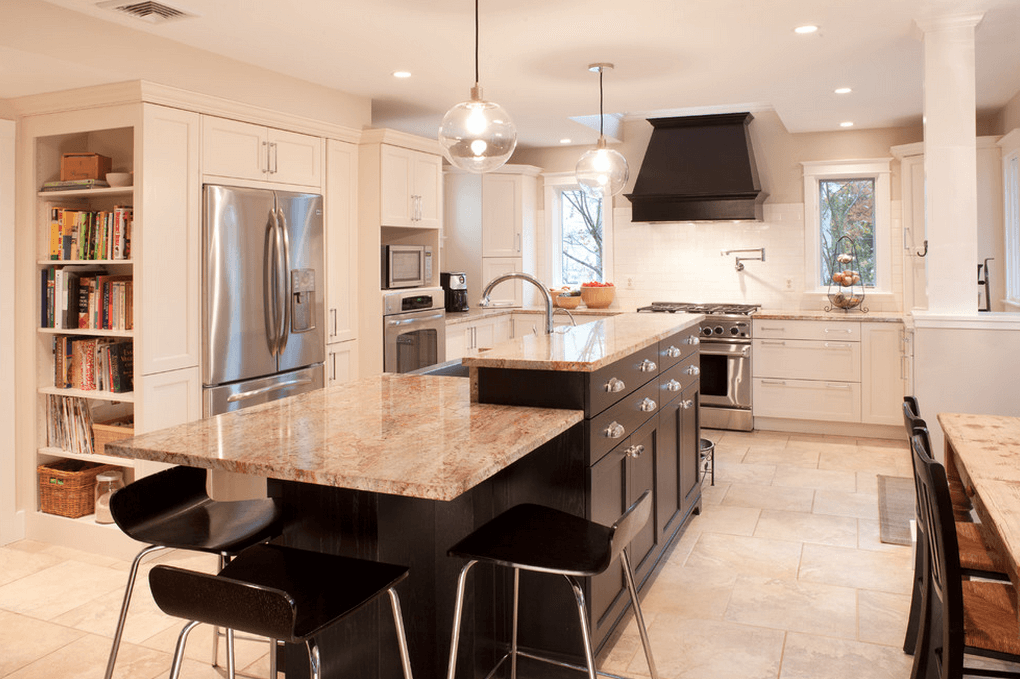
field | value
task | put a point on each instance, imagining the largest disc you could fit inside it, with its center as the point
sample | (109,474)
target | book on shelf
(86,298)
(73,184)
(69,424)
(93,364)
(89,235)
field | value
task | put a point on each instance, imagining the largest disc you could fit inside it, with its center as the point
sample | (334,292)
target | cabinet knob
(648,405)
(692,339)
(634,451)
(648,366)
(692,370)
(614,431)
(614,385)
(673,352)
(673,385)
(687,405)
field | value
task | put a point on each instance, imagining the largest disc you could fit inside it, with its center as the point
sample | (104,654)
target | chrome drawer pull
(647,405)
(673,352)
(673,385)
(774,344)
(648,366)
(614,431)
(848,331)
(693,339)
(634,451)
(614,385)
(837,345)
(687,405)
(692,370)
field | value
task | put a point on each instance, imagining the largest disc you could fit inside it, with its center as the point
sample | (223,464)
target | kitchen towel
(895,509)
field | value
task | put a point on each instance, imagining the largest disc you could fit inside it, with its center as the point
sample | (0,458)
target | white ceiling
(670,55)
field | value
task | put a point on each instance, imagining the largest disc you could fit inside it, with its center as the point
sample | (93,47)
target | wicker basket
(67,487)
(598,297)
(108,432)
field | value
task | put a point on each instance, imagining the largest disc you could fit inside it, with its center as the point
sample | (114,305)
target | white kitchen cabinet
(481,333)
(503,209)
(807,399)
(341,241)
(883,373)
(508,293)
(411,188)
(231,148)
(341,363)
(838,361)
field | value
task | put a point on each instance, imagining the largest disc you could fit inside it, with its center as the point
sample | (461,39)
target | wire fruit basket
(846,291)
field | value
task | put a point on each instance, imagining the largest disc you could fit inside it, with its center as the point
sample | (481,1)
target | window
(847,198)
(579,232)
(1011,223)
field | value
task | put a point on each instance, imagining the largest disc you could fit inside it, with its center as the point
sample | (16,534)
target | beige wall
(778,153)
(110,53)
(6,110)
(1009,117)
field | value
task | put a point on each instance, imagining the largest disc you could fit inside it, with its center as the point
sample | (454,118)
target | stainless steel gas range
(725,362)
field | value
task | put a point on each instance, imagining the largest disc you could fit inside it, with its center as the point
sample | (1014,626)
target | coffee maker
(455,285)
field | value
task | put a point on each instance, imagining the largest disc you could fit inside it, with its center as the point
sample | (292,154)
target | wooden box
(84,166)
(108,432)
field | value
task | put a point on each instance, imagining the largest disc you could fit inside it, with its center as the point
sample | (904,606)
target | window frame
(555,185)
(817,171)
(1011,220)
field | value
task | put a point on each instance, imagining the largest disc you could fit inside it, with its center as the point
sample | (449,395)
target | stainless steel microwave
(406,266)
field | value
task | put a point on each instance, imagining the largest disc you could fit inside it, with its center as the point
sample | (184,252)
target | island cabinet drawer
(608,385)
(674,349)
(608,429)
(837,360)
(847,331)
(807,400)
(682,375)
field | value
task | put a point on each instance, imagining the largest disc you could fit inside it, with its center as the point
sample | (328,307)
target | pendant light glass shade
(602,171)
(478,135)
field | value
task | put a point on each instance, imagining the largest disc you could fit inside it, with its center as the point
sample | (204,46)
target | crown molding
(377,135)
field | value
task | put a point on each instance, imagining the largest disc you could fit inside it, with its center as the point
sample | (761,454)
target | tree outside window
(582,242)
(847,208)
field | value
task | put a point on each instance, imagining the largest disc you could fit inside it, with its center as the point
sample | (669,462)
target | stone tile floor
(783,576)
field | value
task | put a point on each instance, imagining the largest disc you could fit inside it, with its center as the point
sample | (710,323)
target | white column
(950,163)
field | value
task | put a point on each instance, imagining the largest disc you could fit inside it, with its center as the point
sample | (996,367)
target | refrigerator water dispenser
(302,300)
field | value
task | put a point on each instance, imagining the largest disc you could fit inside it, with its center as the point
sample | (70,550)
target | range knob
(706,331)
(718,330)
(734,330)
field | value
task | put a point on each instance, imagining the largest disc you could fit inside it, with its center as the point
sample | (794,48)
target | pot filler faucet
(739,263)
(524,277)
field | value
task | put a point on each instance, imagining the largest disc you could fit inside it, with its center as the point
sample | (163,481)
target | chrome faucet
(739,263)
(485,301)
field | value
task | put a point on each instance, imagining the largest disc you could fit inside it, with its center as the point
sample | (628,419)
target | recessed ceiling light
(564,141)
(805,29)
(401,74)
(843,90)
(846,123)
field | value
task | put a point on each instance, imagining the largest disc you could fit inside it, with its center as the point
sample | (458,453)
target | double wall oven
(414,329)
(725,361)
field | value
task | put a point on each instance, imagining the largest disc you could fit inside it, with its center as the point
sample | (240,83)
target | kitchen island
(397,468)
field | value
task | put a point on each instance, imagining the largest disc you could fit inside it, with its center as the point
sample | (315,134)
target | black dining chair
(543,540)
(958,494)
(172,510)
(282,593)
(959,617)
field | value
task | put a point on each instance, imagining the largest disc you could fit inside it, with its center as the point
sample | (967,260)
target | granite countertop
(583,348)
(476,313)
(411,435)
(819,315)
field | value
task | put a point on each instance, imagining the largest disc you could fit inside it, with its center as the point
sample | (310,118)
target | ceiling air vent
(153,12)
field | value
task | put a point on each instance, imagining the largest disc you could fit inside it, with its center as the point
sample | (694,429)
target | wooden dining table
(983,452)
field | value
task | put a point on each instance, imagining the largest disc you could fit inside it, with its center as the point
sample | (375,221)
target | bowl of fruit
(597,295)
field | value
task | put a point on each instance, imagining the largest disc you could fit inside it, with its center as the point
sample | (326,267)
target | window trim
(871,168)
(555,183)
(1010,149)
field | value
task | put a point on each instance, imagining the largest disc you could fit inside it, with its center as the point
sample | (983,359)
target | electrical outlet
(630,283)
(789,284)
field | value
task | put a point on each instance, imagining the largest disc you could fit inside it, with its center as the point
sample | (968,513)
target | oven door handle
(415,319)
(734,350)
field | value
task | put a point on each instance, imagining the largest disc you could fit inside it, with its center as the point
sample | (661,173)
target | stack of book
(74,184)
(84,298)
(69,424)
(93,364)
(83,234)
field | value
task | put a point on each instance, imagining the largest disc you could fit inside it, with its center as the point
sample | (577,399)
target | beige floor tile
(769,497)
(46,594)
(830,444)
(794,605)
(17,563)
(738,555)
(869,538)
(882,617)
(27,639)
(705,649)
(807,527)
(808,656)
(713,495)
(68,554)
(739,472)
(880,571)
(838,503)
(730,452)
(200,642)
(898,443)
(793,457)
(817,479)
(690,592)
(726,519)
(86,657)
(757,438)
(873,460)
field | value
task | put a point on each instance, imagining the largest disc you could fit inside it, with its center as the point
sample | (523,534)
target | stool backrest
(945,634)
(155,497)
(630,523)
(216,600)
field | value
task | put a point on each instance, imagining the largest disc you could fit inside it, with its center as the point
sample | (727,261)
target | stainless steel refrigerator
(262,296)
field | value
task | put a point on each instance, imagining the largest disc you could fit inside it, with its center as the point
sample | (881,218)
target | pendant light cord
(476,43)
(601,130)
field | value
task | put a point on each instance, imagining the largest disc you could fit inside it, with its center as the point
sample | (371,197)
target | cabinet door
(835,360)
(608,485)
(341,363)
(501,215)
(341,241)
(458,340)
(501,329)
(233,149)
(168,399)
(507,293)
(807,399)
(428,187)
(396,186)
(294,158)
(644,456)
(883,382)
(689,442)
(485,334)
(668,500)
(168,223)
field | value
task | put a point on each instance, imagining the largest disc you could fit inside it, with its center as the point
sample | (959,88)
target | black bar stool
(544,540)
(278,592)
(171,510)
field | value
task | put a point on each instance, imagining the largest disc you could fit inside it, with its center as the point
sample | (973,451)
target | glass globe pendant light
(477,135)
(602,171)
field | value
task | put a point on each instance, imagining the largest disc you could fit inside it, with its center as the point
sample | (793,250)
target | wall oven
(414,329)
(406,266)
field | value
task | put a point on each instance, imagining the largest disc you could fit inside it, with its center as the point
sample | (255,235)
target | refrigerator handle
(283,283)
(269,281)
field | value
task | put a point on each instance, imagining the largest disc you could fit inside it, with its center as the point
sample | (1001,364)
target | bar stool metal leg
(273,669)
(513,634)
(182,639)
(314,661)
(398,623)
(582,612)
(629,576)
(231,668)
(132,575)
(457,611)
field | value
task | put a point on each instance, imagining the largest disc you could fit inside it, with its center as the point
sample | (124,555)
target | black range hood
(698,168)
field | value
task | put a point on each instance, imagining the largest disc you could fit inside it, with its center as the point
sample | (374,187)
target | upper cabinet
(341,241)
(411,188)
(244,151)
(503,209)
